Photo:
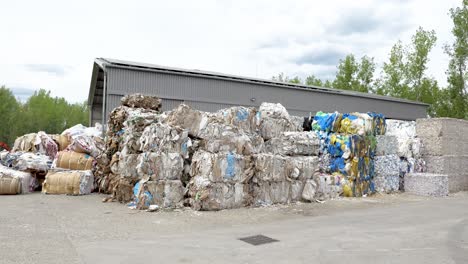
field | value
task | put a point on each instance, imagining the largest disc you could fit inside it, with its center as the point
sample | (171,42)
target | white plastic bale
(310,188)
(276,168)
(267,193)
(273,127)
(298,122)
(221,167)
(29,161)
(163,137)
(186,117)
(386,145)
(243,118)
(328,186)
(167,193)
(405,132)
(212,196)
(294,143)
(160,165)
(273,110)
(218,137)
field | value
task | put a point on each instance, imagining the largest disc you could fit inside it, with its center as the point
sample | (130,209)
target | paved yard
(40,228)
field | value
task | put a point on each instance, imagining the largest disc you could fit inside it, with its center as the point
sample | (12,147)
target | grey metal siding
(210,94)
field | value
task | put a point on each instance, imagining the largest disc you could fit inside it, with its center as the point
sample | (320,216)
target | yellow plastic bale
(62,182)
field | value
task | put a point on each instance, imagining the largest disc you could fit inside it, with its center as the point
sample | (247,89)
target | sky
(51,44)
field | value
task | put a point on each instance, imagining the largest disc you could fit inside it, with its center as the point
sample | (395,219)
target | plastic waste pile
(347,151)
(36,156)
(401,140)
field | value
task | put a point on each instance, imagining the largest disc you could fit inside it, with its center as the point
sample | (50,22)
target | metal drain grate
(258,240)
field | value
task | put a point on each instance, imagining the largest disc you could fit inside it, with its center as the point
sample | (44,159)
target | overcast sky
(52,44)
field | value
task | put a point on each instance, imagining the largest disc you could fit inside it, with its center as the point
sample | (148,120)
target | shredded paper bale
(187,118)
(243,118)
(158,166)
(221,167)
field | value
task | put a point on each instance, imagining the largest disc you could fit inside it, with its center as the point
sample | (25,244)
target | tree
(404,75)
(313,81)
(295,80)
(457,75)
(346,74)
(9,108)
(355,76)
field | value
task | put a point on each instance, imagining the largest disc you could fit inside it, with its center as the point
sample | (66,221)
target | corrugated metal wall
(210,94)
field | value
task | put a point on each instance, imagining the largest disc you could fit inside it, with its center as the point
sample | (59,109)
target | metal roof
(107,62)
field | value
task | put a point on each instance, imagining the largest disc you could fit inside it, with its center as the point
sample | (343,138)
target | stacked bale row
(348,147)
(444,150)
(400,140)
(116,173)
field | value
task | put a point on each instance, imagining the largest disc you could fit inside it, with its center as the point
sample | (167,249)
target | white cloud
(52,44)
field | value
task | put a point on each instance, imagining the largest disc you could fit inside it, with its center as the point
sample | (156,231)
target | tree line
(404,74)
(41,112)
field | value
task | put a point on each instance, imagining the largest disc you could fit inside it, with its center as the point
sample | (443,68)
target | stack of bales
(222,165)
(347,148)
(125,126)
(288,164)
(406,145)
(387,164)
(445,151)
(71,171)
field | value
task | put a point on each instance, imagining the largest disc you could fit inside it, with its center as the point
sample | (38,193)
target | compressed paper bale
(165,138)
(68,182)
(276,168)
(160,166)
(166,193)
(458,182)
(141,101)
(187,118)
(9,185)
(386,145)
(267,193)
(328,186)
(25,178)
(218,137)
(442,127)
(210,196)
(243,118)
(74,161)
(123,190)
(294,143)
(447,164)
(387,183)
(221,167)
(387,165)
(405,133)
(427,184)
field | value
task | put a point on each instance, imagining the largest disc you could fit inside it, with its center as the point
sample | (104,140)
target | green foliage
(9,109)
(40,113)
(313,81)
(354,75)
(457,74)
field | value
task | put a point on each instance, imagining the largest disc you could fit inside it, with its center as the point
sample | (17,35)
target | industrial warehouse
(209,91)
